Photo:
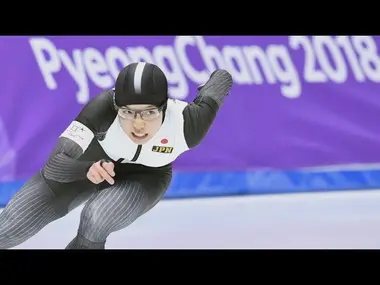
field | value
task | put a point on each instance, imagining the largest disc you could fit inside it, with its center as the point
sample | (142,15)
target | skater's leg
(115,208)
(29,210)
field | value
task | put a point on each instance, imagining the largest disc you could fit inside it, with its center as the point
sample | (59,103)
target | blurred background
(292,160)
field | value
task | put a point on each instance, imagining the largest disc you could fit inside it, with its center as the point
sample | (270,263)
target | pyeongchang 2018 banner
(299,103)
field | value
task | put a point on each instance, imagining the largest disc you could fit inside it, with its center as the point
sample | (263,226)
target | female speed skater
(116,157)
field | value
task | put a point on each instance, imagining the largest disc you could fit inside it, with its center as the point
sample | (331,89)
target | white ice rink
(324,220)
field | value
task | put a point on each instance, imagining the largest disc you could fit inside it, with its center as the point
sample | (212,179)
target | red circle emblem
(164,141)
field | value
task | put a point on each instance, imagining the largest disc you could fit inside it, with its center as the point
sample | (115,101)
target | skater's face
(140,122)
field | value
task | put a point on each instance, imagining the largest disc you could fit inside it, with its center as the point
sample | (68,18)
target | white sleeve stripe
(79,133)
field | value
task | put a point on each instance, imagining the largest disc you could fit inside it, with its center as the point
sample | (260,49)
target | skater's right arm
(63,164)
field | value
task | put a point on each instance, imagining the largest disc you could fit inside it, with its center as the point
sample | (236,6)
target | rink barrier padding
(212,184)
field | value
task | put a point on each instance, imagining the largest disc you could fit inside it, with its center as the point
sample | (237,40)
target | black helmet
(141,83)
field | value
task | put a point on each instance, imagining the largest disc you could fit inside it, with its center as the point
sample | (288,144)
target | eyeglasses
(146,115)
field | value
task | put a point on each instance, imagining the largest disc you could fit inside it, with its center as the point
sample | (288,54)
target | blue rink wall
(210,184)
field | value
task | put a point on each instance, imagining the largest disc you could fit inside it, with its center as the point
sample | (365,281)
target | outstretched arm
(201,113)
(63,164)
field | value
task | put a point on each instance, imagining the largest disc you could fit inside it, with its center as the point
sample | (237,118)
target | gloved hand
(217,87)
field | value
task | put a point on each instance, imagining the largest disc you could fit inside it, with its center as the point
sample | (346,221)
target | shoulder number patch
(79,133)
